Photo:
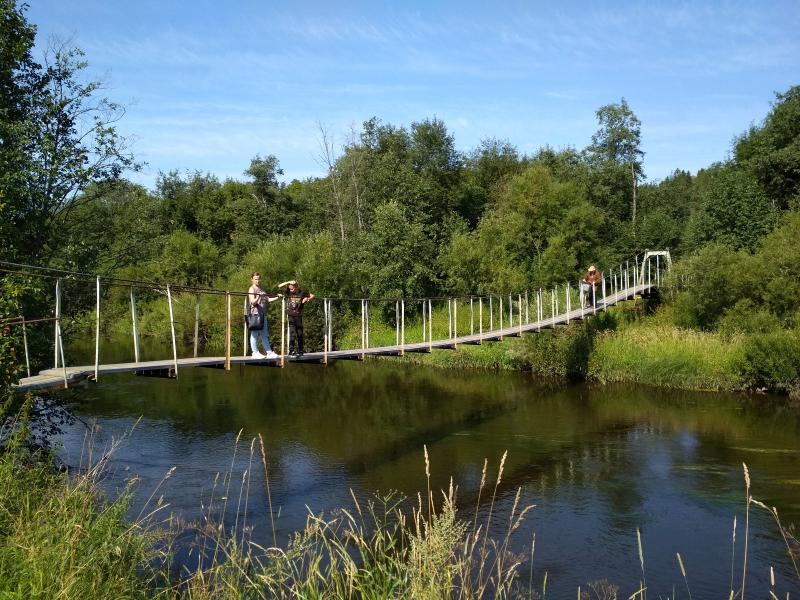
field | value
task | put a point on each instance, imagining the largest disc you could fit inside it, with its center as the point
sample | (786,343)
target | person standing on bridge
(258,301)
(589,287)
(295,300)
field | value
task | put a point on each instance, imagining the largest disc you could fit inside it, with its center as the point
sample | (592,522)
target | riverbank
(632,344)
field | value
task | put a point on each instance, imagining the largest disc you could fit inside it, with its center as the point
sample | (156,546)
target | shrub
(772,360)
(746,317)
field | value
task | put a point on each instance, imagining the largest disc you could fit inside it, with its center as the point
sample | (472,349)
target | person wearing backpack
(258,312)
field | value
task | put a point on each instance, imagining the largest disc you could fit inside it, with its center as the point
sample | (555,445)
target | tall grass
(667,356)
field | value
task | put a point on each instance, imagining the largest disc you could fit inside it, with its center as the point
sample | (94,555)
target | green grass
(668,356)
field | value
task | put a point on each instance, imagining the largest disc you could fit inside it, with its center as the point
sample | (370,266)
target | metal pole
(97,334)
(527,309)
(430,325)
(455,318)
(397,322)
(424,320)
(363,329)
(594,299)
(244,323)
(554,304)
(403,327)
(582,300)
(449,319)
(56,328)
(658,270)
(501,318)
(330,324)
(471,317)
(25,344)
(539,309)
(325,334)
(519,313)
(172,330)
(366,304)
(491,315)
(283,330)
(61,351)
(510,311)
(135,325)
(197,322)
(227,331)
(480,317)
(567,300)
(603,283)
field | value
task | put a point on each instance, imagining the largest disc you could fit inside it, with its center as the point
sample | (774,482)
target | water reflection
(597,462)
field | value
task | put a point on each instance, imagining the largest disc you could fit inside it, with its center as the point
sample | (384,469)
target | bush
(746,317)
(771,361)
(707,283)
(564,352)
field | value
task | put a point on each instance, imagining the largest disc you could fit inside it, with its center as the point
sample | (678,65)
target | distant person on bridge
(258,303)
(295,300)
(589,287)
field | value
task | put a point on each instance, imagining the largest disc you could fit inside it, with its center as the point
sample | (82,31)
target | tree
(772,152)
(617,142)
(17,71)
(71,143)
(279,210)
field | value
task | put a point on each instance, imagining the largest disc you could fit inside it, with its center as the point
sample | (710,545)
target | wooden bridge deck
(54,378)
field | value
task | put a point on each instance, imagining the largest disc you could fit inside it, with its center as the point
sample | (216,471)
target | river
(597,461)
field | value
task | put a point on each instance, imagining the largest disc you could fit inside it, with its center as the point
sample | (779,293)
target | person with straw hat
(589,287)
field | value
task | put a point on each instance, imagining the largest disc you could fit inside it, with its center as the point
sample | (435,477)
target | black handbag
(255,320)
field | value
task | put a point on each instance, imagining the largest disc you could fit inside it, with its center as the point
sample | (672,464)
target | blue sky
(209,85)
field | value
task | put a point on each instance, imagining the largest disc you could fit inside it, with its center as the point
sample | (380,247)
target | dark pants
(295,334)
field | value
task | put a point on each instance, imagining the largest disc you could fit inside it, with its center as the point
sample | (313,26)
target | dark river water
(598,462)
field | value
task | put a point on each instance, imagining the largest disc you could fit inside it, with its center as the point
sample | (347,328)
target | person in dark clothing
(295,300)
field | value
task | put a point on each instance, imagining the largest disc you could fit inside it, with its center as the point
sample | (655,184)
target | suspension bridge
(491,318)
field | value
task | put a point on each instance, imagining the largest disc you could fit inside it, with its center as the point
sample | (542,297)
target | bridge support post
(197,324)
(97,334)
(491,315)
(539,309)
(455,320)
(510,311)
(136,326)
(471,317)
(430,325)
(519,313)
(56,332)
(554,305)
(363,329)
(366,305)
(172,330)
(403,327)
(501,318)
(325,330)
(480,318)
(527,309)
(245,303)
(25,344)
(603,283)
(397,322)
(567,300)
(283,331)
(658,271)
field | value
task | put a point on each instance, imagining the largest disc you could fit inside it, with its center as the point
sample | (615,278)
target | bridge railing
(415,320)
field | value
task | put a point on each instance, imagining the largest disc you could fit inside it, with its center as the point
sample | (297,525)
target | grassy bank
(628,345)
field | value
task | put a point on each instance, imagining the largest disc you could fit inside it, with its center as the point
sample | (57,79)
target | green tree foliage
(771,152)
(733,210)
(395,258)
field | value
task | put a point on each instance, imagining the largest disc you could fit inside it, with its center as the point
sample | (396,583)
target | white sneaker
(258,354)
(270,355)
